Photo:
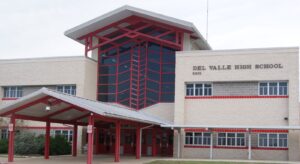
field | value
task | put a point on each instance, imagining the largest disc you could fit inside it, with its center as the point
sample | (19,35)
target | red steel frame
(137,32)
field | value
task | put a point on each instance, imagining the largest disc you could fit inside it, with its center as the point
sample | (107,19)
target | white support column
(178,142)
(211,145)
(249,145)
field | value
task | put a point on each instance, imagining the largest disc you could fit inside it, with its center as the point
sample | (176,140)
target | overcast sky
(34,28)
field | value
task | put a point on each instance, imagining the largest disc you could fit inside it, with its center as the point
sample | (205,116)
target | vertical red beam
(138,143)
(11,129)
(90,131)
(47,141)
(74,144)
(117,142)
(154,142)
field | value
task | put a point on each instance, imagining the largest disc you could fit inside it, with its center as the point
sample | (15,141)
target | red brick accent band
(236,130)
(269,131)
(233,97)
(6,98)
(195,130)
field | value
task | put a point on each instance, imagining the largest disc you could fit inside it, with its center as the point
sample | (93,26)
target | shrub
(59,146)
(27,143)
(3,146)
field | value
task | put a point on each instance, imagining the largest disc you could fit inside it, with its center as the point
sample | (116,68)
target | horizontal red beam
(25,106)
(40,127)
(233,97)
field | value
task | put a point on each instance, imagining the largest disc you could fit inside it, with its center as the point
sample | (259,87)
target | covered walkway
(53,107)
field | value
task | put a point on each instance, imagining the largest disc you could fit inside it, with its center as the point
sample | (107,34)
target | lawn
(199,162)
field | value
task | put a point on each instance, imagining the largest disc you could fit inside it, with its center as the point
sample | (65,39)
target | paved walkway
(109,159)
(98,159)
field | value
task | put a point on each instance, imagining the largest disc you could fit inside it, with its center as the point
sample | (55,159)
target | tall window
(198,89)
(273,88)
(231,139)
(273,140)
(196,138)
(4,133)
(13,92)
(137,74)
(68,89)
(67,134)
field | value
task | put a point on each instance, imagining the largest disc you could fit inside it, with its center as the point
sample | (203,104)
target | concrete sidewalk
(109,159)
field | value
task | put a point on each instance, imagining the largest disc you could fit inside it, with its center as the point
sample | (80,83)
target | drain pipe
(141,134)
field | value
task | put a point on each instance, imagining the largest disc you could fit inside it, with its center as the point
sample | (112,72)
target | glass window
(107,69)
(13,92)
(107,97)
(168,87)
(168,58)
(107,79)
(231,139)
(273,140)
(154,66)
(153,95)
(124,67)
(168,78)
(222,139)
(207,90)
(154,76)
(263,88)
(283,88)
(68,89)
(190,89)
(198,89)
(67,134)
(153,85)
(273,88)
(124,57)
(107,89)
(4,133)
(124,86)
(168,68)
(108,60)
(188,138)
(123,77)
(167,97)
(124,95)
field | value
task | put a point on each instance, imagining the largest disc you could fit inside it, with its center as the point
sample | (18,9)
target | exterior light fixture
(47,108)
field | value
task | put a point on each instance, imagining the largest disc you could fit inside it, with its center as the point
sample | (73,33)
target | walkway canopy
(54,107)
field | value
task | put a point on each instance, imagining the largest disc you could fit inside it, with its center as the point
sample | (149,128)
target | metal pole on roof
(206,20)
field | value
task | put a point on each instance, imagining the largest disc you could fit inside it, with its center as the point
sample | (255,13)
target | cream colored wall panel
(236,111)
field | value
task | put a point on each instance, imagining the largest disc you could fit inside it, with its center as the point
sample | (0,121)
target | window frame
(205,140)
(203,88)
(277,140)
(17,92)
(278,88)
(73,89)
(235,139)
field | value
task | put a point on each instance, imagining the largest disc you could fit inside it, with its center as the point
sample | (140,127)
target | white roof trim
(233,127)
(126,11)
(96,107)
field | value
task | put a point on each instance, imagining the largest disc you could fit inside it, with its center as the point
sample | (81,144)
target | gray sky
(34,28)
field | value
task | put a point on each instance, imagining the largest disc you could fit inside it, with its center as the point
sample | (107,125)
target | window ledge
(232,97)
(196,146)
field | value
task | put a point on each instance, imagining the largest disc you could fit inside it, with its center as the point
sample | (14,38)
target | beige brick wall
(259,111)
